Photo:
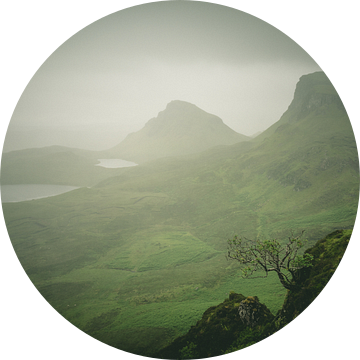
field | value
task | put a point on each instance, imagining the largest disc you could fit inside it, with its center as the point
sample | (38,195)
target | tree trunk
(286,284)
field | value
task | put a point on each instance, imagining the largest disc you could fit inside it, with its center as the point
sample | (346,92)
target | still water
(115,163)
(24,192)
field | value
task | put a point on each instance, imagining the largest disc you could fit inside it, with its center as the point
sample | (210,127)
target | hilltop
(181,129)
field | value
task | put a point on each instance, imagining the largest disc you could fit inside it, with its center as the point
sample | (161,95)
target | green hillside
(135,260)
(222,329)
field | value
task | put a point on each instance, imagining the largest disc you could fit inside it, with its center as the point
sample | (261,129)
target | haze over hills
(304,167)
(181,129)
(141,252)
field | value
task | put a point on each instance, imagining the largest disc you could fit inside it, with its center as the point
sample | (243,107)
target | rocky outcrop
(312,93)
(317,100)
(219,327)
(253,313)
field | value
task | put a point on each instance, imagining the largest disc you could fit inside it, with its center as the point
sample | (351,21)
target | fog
(110,78)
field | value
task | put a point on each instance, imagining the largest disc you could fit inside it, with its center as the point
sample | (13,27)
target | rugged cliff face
(313,92)
(315,102)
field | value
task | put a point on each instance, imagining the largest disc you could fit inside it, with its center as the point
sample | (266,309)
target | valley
(137,254)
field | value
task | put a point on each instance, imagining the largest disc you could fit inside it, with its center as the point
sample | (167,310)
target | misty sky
(113,76)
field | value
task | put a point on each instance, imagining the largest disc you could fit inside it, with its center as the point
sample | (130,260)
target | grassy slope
(220,329)
(143,253)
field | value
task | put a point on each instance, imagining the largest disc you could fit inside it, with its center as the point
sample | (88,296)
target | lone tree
(271,255)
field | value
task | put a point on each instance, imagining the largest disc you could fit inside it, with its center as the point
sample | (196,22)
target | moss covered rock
(253,313)
(219,327)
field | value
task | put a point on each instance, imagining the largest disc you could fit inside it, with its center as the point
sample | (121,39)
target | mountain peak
(313,91)
(314,95)
(181,128)
(180,108)
(180,104)
(183,114)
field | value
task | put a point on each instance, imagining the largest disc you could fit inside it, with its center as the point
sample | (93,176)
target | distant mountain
(181,129)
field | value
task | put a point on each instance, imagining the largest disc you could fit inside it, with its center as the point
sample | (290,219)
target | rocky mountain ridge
(313,92)
(314,95)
